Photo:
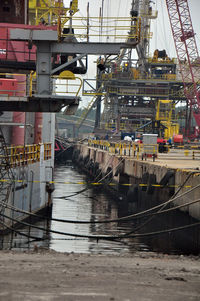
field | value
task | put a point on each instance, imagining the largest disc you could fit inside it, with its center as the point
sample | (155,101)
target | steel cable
(131,217)
(99,222)
(103,237)
(164,205)
(21,233)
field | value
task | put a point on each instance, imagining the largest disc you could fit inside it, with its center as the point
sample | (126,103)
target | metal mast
(142,48)
(141,14)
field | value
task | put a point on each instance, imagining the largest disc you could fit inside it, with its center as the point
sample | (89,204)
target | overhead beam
(37,103)
(19,34)
(92,48)
(66,47)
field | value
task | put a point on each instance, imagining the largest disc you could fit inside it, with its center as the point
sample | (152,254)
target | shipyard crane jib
(187,54)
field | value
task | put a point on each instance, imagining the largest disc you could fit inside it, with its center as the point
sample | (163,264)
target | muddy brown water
(94,204)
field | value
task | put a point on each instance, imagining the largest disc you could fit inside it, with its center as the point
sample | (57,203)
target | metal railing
(130,149)
(104,29)
(21,85)
(23,155)
(145,151)
(67,83)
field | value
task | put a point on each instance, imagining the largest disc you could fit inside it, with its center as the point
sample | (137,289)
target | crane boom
(187,52)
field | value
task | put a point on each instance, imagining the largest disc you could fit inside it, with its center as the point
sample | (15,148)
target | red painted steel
(178,139)
(38,127)
(15,87)
(18,51)
(8,86)
(18,131)
(187,52)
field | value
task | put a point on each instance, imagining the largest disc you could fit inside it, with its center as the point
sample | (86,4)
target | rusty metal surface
(13,11)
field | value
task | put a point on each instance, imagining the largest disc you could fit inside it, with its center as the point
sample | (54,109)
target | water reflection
(17,240)
(94,204)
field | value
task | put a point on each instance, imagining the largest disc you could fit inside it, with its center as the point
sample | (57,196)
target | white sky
(162,36)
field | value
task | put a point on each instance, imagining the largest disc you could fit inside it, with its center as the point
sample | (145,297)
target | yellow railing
(113,125)
(137,76)
(142,151)
(67,83)
(47,151)
(120,148)
(23,155)
(20,85)
(107,29)
(165,61)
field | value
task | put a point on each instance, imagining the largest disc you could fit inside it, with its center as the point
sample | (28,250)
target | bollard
(186,152)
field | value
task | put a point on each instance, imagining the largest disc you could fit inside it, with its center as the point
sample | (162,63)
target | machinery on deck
(166,118)
(132,88)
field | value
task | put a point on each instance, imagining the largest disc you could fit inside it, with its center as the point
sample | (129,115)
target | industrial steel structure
(132,87)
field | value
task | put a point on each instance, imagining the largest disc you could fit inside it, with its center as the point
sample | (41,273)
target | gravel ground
(47,275)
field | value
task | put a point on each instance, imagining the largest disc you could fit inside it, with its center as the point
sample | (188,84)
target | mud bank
(47,275)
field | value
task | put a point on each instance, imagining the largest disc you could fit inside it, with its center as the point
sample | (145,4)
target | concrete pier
(168,173)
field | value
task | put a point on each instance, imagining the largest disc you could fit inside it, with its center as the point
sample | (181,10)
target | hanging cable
(142,214)
(20,233)
(160,211)
(106,237)
(127,235)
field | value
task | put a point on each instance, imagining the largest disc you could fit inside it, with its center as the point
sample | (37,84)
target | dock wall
(130,171)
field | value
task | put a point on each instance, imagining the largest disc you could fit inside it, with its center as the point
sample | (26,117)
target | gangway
(44,43)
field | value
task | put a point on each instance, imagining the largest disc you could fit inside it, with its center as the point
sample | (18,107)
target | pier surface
(179,159)
(46,275)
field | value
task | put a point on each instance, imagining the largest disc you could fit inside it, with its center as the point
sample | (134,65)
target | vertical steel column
(43,68)
(98,103)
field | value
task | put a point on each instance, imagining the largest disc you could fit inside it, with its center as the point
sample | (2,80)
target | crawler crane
(188,58)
